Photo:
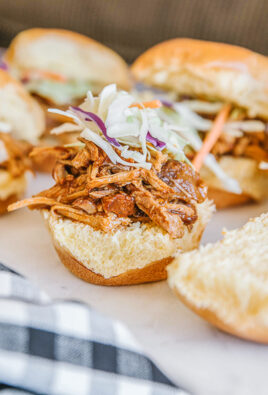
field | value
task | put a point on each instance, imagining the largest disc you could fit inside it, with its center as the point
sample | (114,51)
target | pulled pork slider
(14,163)
(61,66)
(220,107)
(20,114)
(126,198)
(226,283)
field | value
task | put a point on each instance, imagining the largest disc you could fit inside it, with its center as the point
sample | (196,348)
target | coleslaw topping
(119,125)
(188,124)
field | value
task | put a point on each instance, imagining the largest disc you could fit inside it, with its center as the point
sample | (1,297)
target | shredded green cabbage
(128,125)
(59,92)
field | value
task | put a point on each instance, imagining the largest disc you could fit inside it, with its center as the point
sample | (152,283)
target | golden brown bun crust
(155,271)
(208,69)
(30,35)
(26,37)
(224,199)
(6,202)
(255,334)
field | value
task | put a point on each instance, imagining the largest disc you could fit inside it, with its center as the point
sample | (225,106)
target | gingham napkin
(56,347)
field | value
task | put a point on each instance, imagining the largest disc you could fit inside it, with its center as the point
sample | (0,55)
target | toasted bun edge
(154,271)
(255,334)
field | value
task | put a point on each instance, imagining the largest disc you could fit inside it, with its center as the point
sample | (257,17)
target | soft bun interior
(20,111)
(227,282)
(129,248)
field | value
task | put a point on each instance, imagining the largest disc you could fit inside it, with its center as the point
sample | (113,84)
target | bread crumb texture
(228,278)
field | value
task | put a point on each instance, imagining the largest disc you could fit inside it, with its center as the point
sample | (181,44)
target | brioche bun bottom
(253,182)
(154,271)
(224,199)
(133,255)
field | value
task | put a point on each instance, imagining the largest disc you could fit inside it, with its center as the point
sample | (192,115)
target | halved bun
(19,110)
(253,182)
(207,69)
(132,255)
(227,282)
(72,55)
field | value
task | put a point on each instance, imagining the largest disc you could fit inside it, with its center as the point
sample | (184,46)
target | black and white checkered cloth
(49,347)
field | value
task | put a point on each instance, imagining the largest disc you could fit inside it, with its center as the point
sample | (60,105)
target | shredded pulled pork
(17,160)
(91,189)
(251,145)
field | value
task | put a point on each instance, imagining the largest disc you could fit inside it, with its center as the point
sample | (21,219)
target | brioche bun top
(227,282)
(71,54)
(207,69)
(20,110)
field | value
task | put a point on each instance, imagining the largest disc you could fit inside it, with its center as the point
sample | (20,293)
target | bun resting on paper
(202,77)
(226,283)
(122,206)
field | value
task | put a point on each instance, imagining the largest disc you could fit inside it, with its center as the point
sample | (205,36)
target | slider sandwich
(58,67)
(125,197)
(220,109)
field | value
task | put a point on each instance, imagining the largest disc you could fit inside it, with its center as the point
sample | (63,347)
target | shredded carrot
(211,137)
(45,74)
(61,117)
(147,104)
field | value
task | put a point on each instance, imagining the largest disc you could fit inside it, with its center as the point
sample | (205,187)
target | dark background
(130,27)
